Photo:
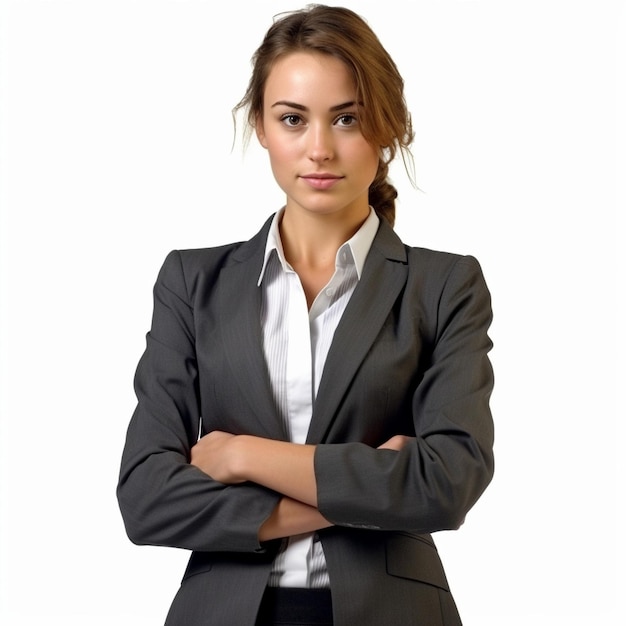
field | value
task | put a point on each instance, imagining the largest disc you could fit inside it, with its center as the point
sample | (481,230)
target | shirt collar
(359,244)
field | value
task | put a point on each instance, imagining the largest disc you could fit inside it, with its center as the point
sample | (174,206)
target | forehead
(311,76)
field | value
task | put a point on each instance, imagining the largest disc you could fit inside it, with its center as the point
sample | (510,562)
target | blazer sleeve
(432,482)
(163,499)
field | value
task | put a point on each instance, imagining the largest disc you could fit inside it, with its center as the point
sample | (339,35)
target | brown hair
(337,31)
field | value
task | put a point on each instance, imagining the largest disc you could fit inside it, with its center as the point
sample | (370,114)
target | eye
(291,119)
(347,119)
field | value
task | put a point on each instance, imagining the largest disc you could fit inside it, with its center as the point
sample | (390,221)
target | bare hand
(216,455)
(397,442)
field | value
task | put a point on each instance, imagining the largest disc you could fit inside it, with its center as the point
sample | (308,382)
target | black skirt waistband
(287,606)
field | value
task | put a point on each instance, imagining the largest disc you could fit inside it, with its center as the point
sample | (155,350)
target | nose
(320,146)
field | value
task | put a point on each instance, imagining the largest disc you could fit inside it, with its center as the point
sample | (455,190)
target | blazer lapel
(240,306)
(384,275)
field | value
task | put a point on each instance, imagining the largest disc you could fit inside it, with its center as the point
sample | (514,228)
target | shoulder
(445,279)
(197,260)
(440,265)
(435,264)
(189,267)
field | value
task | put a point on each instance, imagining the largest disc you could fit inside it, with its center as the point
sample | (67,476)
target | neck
(312,240)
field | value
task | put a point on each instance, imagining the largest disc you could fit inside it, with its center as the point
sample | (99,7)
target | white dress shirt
(296,341)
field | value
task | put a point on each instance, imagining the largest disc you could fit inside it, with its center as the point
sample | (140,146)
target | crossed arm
(284,467)
(427,485)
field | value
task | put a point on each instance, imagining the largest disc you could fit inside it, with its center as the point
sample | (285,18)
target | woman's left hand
(397,442)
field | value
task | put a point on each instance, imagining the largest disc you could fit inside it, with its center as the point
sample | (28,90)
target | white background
(115,147)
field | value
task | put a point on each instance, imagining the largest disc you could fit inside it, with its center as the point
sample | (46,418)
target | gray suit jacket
(409,357)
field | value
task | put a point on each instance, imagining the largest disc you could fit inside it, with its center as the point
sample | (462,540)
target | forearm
(284,467)
(292,517)
(165,502)
(428,486)
(279,465)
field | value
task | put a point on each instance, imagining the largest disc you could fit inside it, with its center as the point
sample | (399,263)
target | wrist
(240,458)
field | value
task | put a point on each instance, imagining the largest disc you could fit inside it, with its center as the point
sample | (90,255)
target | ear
(259,129)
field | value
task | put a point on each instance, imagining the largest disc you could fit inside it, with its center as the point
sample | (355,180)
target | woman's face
(310,127)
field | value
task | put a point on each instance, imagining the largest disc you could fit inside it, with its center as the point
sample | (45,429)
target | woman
(313,403)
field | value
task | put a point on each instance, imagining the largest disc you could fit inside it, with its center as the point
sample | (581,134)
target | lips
(321,180)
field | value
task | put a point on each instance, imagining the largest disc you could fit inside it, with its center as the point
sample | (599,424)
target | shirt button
(330,292)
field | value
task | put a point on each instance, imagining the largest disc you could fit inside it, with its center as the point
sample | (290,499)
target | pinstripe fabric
(296,342)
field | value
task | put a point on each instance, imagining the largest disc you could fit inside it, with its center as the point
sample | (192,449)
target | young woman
(314,402)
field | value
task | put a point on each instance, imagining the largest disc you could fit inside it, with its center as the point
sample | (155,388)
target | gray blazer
(409,357)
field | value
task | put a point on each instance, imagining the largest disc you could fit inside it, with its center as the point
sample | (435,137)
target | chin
(324,205)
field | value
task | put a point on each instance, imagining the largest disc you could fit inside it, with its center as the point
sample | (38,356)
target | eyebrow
(301,107)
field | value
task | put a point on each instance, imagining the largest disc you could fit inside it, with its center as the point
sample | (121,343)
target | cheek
(279,151)
(282,161)
(369,160)
(278,160)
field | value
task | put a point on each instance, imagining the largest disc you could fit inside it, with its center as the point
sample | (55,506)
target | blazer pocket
(416,558)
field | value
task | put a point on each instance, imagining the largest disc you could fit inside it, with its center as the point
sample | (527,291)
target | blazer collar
(384,275)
